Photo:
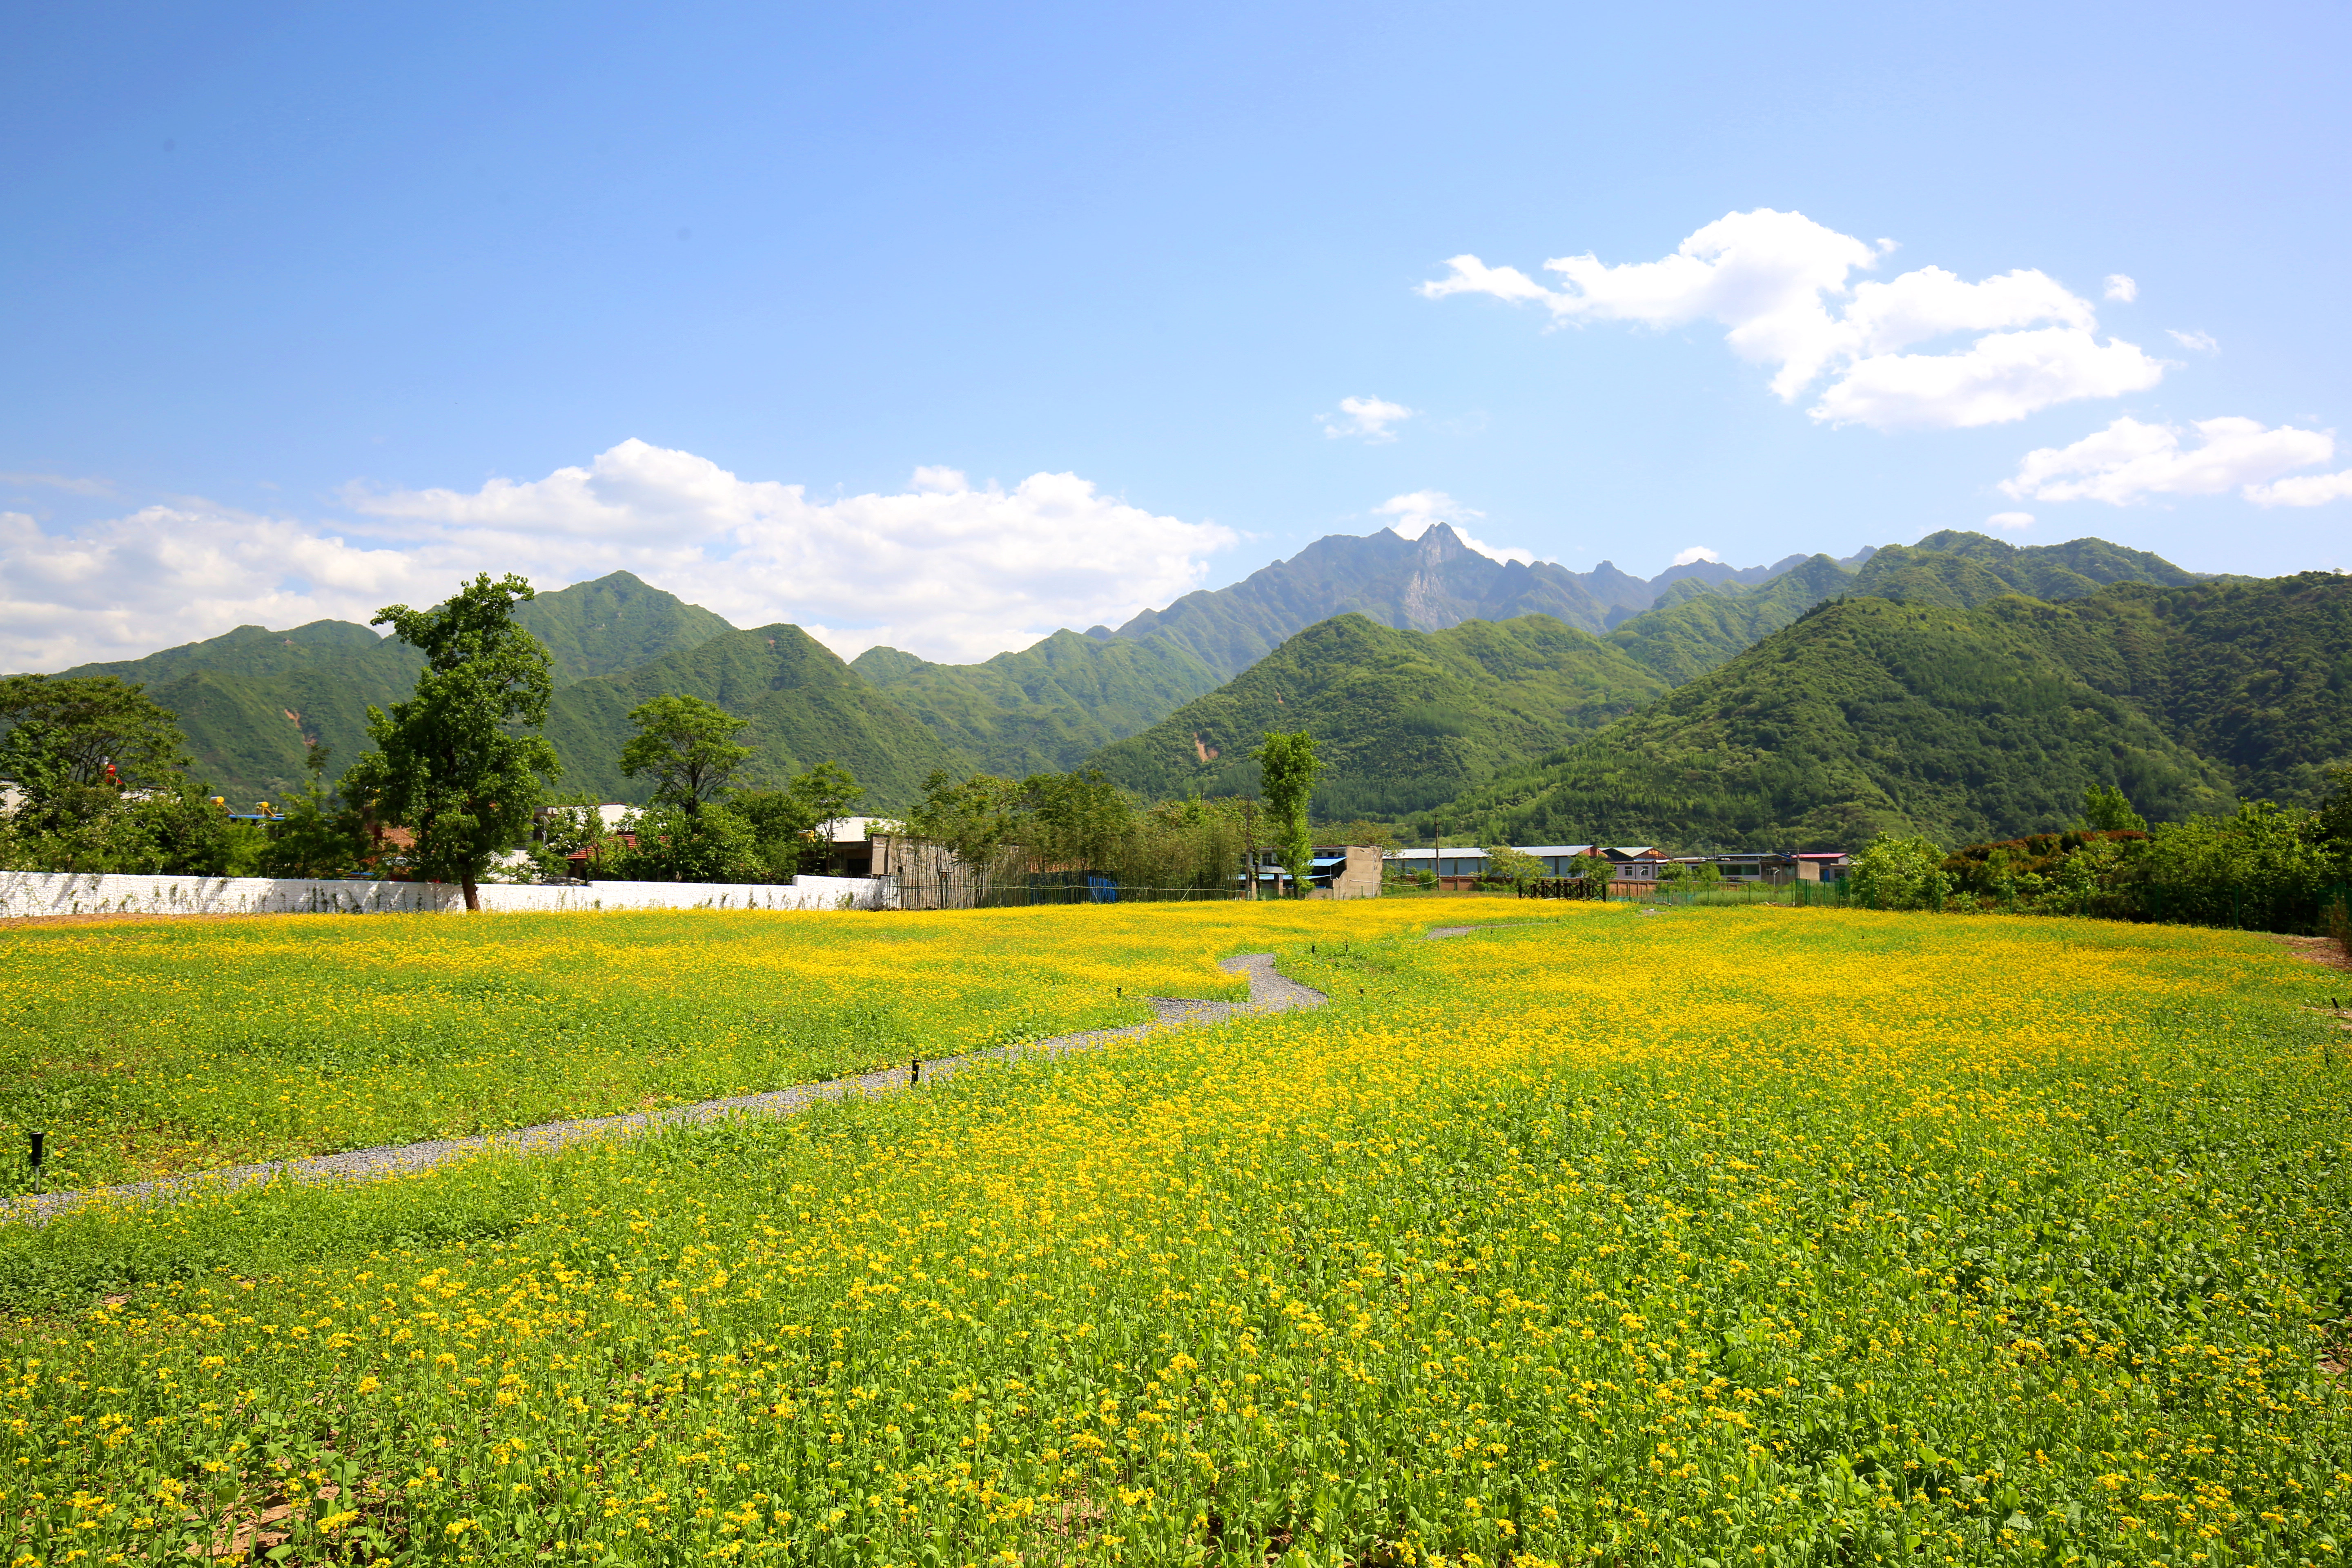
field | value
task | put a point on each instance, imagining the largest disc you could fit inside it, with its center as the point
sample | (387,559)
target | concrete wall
(70,893)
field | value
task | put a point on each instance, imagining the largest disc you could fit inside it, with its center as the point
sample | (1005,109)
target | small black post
(38,1139)
(915,1073)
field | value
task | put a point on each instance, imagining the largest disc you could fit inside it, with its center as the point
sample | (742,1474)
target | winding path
(1269,993)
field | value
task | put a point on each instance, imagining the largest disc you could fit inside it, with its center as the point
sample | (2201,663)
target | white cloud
(2011,520)
(164,575)
(1695,554)
(1780,283)
(945,570)
(2121,289)
(1414,515)
(1371,417)
(2203,342)
(80,486)
(2003,376)
(2304,490)
(2130,460)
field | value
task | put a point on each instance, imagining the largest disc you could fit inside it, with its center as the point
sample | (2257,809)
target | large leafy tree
(975,818)
(688,746)
(453,763)
(788,822)
(1505,864)
(67,732)
(1287,770)
(100,767)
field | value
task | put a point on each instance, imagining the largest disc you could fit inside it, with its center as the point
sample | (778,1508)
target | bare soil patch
(2323,950)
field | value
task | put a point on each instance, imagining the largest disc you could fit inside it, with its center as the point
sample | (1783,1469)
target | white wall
(72,893)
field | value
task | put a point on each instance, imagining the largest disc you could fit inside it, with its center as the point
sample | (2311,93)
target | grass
(147,1048)
(1770,1236)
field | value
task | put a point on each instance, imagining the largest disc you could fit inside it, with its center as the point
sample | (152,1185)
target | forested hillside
(1965,570)
(2253,673)
(1963,685)
(1697,626)
(1052,705)
(253,701)
(1402,718)
(1865,715)
(805,706)
(1048,707)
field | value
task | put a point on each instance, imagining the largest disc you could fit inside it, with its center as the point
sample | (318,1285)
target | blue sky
(305,308)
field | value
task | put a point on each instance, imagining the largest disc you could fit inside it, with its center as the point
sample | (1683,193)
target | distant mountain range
(1960,684)
(1968,723)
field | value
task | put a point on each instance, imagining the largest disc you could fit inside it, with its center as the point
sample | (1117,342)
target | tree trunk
(473,895)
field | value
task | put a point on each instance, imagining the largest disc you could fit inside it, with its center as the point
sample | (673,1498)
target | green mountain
(1864,714)
(1965,570)
(2255,675)
(253,701)
(1048,707)
(1697,626)
(1401,718)
(1418,584)
(804,704)
(1052,705)
(615,622)
(1698,623)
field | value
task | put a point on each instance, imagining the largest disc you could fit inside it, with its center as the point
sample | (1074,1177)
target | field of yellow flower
(144,1048)
(1710,1238)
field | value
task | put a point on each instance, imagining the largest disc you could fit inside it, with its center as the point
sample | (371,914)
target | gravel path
(1435,933)
(1269,993)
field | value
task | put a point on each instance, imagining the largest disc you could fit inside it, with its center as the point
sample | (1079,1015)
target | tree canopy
(1287,770)
(452,763)
(687,745)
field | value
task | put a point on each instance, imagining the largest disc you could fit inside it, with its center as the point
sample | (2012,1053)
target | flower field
(144,1048)
(1710,1238)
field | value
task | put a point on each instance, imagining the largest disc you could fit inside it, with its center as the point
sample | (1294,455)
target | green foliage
(2332,824)
(1359,830)
(791,826)
(2255,675)
(802,704)
(1014,837)
(63,733)
(1047,706)
(2106,810)
(676,844)
(450,764)
(253,700)
(2264,869)
(1287,769)
(1404,719)
(1595,871)
(1697,627)
(616,624)
(688,747)
(1896,872)
(99,765)
(973,818)
(318,834)
(1866,716)
(1505,864)
(1961,571)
